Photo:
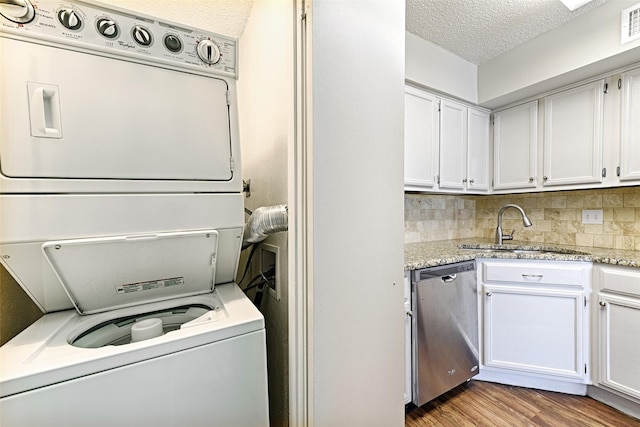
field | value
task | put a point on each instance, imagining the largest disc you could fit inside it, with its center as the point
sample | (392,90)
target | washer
(121,216)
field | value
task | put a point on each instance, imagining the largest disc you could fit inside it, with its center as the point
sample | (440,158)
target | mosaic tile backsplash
(556,217)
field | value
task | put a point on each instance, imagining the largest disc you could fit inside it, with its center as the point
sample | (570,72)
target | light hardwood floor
(484,404)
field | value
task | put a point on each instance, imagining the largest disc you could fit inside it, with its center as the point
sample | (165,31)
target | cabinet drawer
(551,273)
(624,280)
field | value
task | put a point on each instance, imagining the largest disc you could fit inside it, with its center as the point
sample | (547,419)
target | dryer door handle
(44,110)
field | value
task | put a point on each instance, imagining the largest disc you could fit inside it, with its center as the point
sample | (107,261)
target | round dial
(69,19)
(108,28)
(18,11)
(142,36)
(173,43)
(208,51)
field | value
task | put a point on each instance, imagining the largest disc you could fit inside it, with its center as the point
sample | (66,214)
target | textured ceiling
(478,30)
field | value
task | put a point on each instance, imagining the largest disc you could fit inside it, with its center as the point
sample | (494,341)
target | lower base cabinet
(617,332)
(535,323)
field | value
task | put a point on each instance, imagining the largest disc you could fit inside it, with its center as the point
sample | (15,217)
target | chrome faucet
(499,235)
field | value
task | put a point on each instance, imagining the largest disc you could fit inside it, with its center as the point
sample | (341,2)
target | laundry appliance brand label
(146,286)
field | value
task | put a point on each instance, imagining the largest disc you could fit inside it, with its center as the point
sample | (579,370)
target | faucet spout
(500,236)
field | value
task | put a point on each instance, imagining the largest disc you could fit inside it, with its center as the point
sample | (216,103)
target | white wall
(584,47)
(266,114)
(431,66)
(357,278)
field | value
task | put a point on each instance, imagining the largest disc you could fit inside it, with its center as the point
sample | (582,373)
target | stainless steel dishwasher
(444,329)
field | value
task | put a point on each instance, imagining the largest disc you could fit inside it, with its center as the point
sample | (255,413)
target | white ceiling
(478,30)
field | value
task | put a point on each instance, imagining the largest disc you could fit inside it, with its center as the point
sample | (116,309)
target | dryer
(121,216)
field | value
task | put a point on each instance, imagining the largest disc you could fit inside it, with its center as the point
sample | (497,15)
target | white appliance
(121,216)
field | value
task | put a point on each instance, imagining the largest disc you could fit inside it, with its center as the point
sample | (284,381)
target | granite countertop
(431,254)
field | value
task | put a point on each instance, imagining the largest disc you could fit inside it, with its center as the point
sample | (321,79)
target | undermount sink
(521,250)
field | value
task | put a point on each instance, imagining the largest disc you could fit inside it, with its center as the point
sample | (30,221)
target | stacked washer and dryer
(121,216)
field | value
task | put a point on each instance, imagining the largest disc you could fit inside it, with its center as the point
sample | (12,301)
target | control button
(173,43)
(18,11)
(208,51)
(107,28)
(142,36)
(69,19)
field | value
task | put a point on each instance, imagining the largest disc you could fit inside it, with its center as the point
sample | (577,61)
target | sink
(515,250)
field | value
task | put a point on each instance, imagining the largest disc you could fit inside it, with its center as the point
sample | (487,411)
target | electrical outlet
(592,216)
(269,257)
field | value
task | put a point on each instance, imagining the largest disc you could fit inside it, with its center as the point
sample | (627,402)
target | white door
(420,138)
(534,330)
(619,344)
(478,150)
(630,135)
(80,116)
(573,136)
(515,139)
(453,145)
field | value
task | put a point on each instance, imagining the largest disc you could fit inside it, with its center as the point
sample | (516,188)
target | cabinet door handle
(532,276)
(603,303)
(488,294)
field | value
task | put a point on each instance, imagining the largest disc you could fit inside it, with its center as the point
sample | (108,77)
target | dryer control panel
(114,31)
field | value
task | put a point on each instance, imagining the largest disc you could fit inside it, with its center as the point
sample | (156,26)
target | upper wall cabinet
(421,133)
(515,139)
(453,144)
(478,150)
(630,126)
(573,136)
(446,145)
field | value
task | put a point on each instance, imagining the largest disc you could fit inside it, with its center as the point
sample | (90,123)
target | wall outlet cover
(592,216)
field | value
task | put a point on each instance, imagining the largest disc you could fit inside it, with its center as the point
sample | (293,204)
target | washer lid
(102,274)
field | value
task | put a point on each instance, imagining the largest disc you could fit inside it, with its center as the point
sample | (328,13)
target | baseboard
(559,386)
(622,404)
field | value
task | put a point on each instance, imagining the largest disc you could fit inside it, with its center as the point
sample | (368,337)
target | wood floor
(479,403)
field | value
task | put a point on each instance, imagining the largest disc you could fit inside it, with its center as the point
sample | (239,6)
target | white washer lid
(102,274)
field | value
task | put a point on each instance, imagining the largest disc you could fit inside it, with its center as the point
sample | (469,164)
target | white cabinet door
(573,136)
(515,139)
(534,330)
(421,134)
(619,327)
(453,145)
(630,132)
(478,149)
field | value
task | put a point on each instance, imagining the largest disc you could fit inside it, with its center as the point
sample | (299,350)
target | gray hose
(264,221)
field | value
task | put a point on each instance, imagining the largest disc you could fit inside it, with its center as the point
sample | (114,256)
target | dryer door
(72,115)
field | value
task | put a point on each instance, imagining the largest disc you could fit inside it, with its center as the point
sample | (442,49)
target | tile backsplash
(556,217)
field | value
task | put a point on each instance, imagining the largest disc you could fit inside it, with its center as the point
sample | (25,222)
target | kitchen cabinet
(408,395)
(453,145)
(630,126)
(534,323)
(421,139)
(573,136)
(478,151)
(617,333)
(447,144)
(515,142)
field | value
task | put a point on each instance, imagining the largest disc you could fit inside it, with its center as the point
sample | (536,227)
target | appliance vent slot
(630,24)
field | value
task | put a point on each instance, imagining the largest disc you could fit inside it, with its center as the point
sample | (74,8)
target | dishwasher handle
(449,278)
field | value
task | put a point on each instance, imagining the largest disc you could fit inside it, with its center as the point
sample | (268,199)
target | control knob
(18,11)
(69,19)
(208,51)
(141,35)
(107,27)
(173,43)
